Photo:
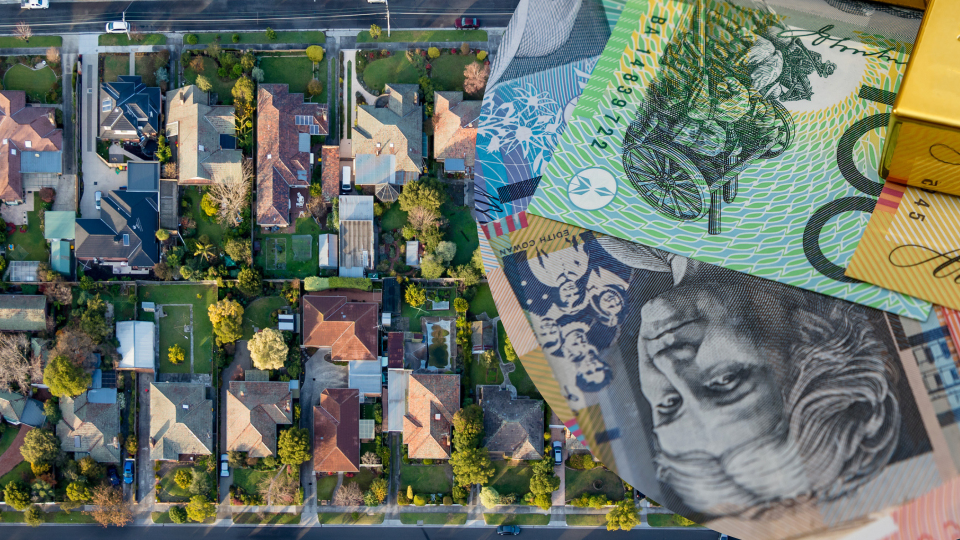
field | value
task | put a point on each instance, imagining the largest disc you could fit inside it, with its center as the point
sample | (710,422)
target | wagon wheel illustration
(784,135)
(667,180)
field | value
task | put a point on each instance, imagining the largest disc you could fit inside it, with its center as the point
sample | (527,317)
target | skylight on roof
(302,120)
(126,240)
(106,107)
(314,129)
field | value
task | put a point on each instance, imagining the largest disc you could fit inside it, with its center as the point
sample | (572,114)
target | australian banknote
(744,134)
(720,394)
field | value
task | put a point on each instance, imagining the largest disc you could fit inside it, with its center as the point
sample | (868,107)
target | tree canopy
(293,446)
(65,378)
(40,446)
(624,516)
(17,495)
(249,282)
(227,318)
(468,427)
(415,295)
(199,509)
(471,466)
(268,350)
(109,506)
(315,53)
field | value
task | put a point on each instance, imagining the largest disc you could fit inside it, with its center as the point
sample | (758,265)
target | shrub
(183,478)
(464,48)
(428,461)
(402,499)
(447,500)
(315,53)
(235,38)
(191,39)
(237,71)
(271,34)
(433,52)
(481,55)
(203,83)
(419,500)
(177,513)
(33,516)
(314,87)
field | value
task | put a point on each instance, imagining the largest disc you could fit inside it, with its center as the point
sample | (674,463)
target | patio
(17,214)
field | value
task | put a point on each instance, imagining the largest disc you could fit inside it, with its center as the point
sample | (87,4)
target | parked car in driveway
(34,4)
(128,471)
(224,467)
(118,27)
(112,475)
(508,530)
(557,453)
(466,23)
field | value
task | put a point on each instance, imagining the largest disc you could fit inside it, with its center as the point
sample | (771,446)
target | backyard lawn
(447,70)
(7,438)
(394,69)
(433,518)
(257,314)
(393,218)
(121,40)
(483,302)
(516,519)
(410,36)
(580,482)
(463,232)
(13,42)
(30,245)
(251,38)
(521,380)
(511,477)
(169,491)
(349,518)
(325,485)
(484,375)
(223,88)
(414,314)
(20,472)
(202,328)
(436,478)
(36,83)
(269,518)
(249,479)
(293,259)
(115,65)
(205,224)
(173,332)
(295,71)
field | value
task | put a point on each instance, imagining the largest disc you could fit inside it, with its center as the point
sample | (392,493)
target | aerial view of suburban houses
(243,286)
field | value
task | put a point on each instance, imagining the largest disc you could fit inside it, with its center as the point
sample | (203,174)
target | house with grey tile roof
(18,409)
(394,126)
(91,425)
(181,421)
(23,313)
(129,110)
(205,136)
(512,427)
(254,410)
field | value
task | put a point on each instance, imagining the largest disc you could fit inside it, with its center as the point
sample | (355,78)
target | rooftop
(336,431)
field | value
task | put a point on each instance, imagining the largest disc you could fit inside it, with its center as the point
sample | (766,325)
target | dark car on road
(112,475)
(466,23)
(508,530)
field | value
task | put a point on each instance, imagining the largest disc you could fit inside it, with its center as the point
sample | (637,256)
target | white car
(118,27)
(34,4)
(224,467)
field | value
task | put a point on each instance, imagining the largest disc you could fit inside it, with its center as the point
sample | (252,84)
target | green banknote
(743,135)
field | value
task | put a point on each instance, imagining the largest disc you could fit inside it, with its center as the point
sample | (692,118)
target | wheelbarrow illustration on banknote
(714,108)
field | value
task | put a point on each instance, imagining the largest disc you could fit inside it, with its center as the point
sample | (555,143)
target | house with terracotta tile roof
(394,126)
(455,130)
(285,124)
(254,410)
(336,431)
(205,137)
(90,424)
(348,329)
(30,145)
(431,402)
(331,172)
(181,421)
(512,428)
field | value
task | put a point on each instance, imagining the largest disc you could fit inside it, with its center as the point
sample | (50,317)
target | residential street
(230,15)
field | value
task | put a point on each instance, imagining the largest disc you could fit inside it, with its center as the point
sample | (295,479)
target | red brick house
(284,161)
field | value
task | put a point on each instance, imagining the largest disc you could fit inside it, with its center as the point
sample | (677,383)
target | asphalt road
(229,15)
(183,532)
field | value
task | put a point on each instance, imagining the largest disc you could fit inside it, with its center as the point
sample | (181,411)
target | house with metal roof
(513,428)
(329,245)
(18,409)
(59,225)
(124,235)
(365,376)
(143,176)
(30,146)
(254,410)
(129,110)
(90,425)
(205,136)
(23,313)
(181,421)
(392,127)
(336,431)
(285,124)
(357,236)
(137,346)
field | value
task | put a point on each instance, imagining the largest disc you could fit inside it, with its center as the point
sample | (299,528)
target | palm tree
(205,251)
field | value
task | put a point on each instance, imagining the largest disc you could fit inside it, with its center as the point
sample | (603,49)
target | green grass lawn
(448,70)
(463,232)
(484,375)
(203,328)
(325,485)
(7,438)
(393,218)
(252,38)
(145,66)
(394,69)
(520,379)
(49,517)
(169,491)
(30,245)
(295,71)
(299,269)
(115,65)
(436,478)
(123,309)
(270,518)
(13,42)
(433,518)
(516,519)
(586,520)
(483,302)
(249,479)
(20,472)
(35,83)
(258,313)
(172,333)
(363,478)
(349,518)
(205,224)
(223,87)
(511,477)
(662,520)
(121,40)
(164,518)
(580,482)
(422,36)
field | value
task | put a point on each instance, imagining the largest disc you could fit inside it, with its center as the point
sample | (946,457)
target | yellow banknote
(912,245)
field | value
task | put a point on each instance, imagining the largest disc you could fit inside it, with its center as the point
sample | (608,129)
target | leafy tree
(227,318)
(471,466)
(51,409)
(268,350)
(244,90)
(164,153)
(249,282)
(162,234)
(375,31)
(240,250)
(203,83)
(314,87)
(379,489)
(33,516)
(468,427)
(475,77)
(199,482)
(176,355)
(508,350)
(624,516)
(40,446)
(199,509)
(209,205)
(78,492)
(110,508)
(489,497)
(315,53)
(432,266)
(415,295)
(428,87)
(178,514)
(467,273)
(41,491)
(433,52)
(446,251)
(91,469)
(94,319)
(256,74)
(293,446)
(543,483)
(428,193)
(348,495)
(461,305)
(17,495)
(183,478)
(477,260)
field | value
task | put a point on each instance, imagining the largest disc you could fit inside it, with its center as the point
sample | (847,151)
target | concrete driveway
(320,374)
